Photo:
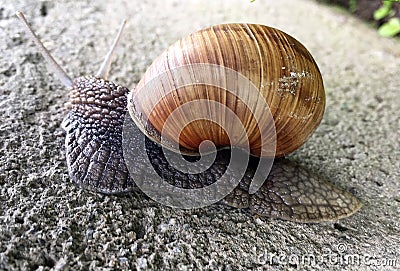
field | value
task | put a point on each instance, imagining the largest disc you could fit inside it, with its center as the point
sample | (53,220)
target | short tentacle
(105,66)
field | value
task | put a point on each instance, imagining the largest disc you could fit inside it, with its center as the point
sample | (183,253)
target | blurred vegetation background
(385,14)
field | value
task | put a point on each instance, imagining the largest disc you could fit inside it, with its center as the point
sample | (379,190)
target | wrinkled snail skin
(95,160)
(290,192)
(94,136)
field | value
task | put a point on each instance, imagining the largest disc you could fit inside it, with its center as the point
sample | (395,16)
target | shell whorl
(279,66)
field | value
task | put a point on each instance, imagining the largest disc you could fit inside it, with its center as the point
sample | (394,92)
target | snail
(288,83)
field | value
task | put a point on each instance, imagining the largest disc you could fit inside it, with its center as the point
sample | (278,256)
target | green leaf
(391,28)
(383,11)
(352,5)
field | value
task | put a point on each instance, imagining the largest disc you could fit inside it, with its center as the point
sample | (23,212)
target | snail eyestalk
(62,75)
(105,66)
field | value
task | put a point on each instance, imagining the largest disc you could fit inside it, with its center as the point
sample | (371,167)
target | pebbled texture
(292,192)
(94,136)
(95,161)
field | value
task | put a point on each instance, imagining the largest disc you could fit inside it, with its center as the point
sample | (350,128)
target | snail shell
(280,67)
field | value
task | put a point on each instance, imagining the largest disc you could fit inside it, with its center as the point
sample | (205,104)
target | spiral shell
(279,67)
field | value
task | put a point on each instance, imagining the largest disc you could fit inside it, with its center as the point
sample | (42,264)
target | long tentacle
(62,75)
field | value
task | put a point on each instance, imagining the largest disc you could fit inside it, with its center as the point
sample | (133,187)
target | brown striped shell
(280,67)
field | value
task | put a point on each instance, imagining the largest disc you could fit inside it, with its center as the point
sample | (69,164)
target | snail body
(278,66)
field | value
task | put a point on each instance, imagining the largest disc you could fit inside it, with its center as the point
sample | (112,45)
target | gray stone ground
(48,223)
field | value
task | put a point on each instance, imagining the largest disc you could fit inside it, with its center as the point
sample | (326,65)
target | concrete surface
(48,223)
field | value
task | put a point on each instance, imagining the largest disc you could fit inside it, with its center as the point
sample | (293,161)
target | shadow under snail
(286,78)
